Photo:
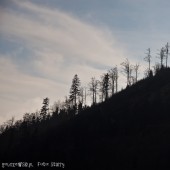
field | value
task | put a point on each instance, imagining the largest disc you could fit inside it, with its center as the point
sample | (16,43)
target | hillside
(131,130)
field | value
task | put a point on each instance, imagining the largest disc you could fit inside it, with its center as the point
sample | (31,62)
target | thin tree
(81,96)
(167,53)
(162,56)
(113,75)
(93,87)
(85,96)
(104,86)
(116,78)
(75,90)
(136,69)
(81,100)
(127,70)
(148,59)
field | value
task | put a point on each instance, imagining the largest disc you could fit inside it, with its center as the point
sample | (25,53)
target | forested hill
(131,130)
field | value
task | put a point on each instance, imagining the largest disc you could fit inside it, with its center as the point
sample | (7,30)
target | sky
(44,43)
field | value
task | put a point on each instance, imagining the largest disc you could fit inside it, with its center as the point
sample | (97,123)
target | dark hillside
(131,130)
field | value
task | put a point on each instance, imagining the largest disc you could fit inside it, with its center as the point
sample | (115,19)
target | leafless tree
(127,70)
(81,96)
(136,69)
(167,53)
(113,75)
(161,56)
(148,59)
(93,87)
(104,87)
(85,95)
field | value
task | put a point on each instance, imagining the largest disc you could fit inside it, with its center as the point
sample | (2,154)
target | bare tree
(127,70)
(161,56)
(148,59)
(93,87)
(167,53)
(85,95)
(104,86)
(136,69)
(81,96)
(56,107)
(113,75)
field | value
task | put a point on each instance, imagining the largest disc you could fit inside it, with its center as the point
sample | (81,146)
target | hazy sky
(44,43)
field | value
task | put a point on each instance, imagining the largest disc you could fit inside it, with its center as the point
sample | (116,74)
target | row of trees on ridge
(99,90)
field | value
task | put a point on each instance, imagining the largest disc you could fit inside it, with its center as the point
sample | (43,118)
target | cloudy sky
(44,43)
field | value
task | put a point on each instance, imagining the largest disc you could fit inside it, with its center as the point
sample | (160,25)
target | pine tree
(75,90)
(45,108)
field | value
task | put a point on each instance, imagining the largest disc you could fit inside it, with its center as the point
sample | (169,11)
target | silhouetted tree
(167,53)
(85,96)
(93,86)
(127,70)
(45,108)
(113,75)
(2,128)
(56,108)
(161,56)
(104,86)
(80,106)
(10,122)
(66,104)
(81,96)
(136,69)
(156,68)
(148,59)
(75,90)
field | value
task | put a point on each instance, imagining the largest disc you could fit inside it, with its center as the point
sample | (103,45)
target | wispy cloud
(58,46)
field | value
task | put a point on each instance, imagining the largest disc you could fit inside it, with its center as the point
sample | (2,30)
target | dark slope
(129,131)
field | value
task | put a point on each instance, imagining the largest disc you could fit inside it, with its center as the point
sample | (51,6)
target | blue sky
(43,44)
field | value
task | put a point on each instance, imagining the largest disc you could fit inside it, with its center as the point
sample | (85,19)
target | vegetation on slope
(129,130)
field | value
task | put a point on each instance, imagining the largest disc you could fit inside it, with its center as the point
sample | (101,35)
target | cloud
(20,93)
(58,45)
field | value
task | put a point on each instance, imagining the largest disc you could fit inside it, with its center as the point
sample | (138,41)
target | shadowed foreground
(131,130)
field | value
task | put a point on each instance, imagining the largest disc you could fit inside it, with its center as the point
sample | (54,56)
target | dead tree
(85,95)
(81,96)
(148,59)
(104,87)
(167,53)
(136,69)
(113,75)
(127,70)
(93,86)
(161,56)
